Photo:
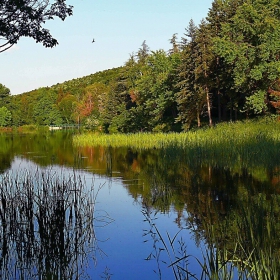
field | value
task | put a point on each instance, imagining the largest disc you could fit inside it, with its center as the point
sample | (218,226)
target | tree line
(223,69)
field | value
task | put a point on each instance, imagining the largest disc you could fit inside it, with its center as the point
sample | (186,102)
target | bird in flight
(93,40)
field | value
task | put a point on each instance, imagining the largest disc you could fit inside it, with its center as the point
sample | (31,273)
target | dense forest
(223,69)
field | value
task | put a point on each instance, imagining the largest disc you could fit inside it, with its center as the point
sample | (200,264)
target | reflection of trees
(248,234)
(235,213)
(46,148)
(5,162)
(46,226)
(242,244)
(5,152)
(169,177)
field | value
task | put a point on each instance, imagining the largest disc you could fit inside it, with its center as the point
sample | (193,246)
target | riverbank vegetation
(248,141)
(241,245)
(221,70)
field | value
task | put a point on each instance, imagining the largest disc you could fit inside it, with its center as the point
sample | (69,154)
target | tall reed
(244,248)
(46,225)
(239,133)
(232,145)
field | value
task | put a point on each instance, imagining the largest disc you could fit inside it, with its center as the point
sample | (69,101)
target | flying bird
(93,40)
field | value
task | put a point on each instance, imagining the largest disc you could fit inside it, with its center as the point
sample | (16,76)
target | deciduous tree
(5,116)
(25,18)
(4,91)
(250,44)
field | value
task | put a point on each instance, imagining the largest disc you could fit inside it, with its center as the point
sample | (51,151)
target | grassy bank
(234,145)
(225,134)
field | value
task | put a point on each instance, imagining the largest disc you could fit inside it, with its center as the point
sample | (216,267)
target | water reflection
(221,204)
(241,243)
(47,225)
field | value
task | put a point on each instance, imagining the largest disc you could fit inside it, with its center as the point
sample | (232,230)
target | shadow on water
(47,226)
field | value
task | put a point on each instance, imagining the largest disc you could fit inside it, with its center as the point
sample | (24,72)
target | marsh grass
(251,251)
(258,237)
(228,144)
(239,133)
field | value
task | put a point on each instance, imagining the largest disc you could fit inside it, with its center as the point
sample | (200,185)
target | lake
(121,213)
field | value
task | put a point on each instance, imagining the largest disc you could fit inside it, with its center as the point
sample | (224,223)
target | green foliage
(226,68)
(255,102)
(28,128)
(248,43)
(155,92)
(66,107)
(46,111)
(238,145)
(5,116)
(4,91)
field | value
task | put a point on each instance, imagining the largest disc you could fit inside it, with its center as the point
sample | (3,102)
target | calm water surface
(133,190)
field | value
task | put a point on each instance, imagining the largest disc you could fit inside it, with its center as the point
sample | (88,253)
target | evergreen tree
(204,60)
(189,100)
(143,52)
(175,45)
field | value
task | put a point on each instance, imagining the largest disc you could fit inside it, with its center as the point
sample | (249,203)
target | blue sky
(118,27)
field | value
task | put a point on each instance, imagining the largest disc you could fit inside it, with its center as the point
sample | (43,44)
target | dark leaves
(19,18)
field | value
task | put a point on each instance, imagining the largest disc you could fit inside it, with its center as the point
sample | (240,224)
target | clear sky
(118,26)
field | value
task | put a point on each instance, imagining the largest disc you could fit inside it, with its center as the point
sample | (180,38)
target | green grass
(234,145)
(222,134)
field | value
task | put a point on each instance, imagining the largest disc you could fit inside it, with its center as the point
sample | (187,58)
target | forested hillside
(225,68)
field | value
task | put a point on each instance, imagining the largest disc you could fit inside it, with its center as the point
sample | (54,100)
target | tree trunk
(219,106)
(230,111)
(208,107)
(207,90)
(218,85)
(198,119)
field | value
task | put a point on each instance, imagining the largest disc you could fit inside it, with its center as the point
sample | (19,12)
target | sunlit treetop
(4,91)
(25,18)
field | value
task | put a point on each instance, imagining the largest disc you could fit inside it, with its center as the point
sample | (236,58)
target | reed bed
(245,246)
(47,225)
(238,133)
(234,145)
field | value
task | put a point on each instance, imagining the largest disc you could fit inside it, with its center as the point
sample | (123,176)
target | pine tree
(175,45)
(203,62)
(188,98)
